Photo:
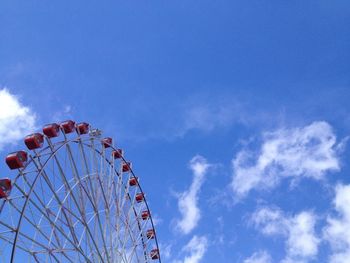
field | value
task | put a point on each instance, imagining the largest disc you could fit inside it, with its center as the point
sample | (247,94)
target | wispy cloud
(301,241)
(187,201)
(165,250)
(259,257)
(337,231)
(16,120)
(63,114)
(309,151)
(210,116)
(195,249)
(173,119)
(157,220)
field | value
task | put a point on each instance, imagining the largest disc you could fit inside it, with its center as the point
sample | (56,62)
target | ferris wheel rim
(52,153)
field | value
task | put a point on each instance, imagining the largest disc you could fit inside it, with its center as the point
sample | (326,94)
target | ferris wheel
(74,199)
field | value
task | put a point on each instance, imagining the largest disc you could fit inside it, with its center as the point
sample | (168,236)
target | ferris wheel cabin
(34,141)
(139,197)
(67,126)
(82,128)
(51,130)
(145,215)
(107,142)
(150,234)
(5,187)
(133,181)
(16,160)
(154,254)
(126,167)
(117,154)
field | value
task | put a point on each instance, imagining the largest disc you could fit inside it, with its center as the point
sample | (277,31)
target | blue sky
(234,113)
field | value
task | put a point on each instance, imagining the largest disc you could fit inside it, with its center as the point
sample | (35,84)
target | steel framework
(76,199)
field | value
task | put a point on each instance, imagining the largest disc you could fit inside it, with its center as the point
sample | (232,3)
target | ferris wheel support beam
(21,217)
(90,184)
(40,166)
(107,205)
(27,237)
(100,188)
(121,203)
(120,200)
(33,224)
(106,179)
(30,222)
(64,179)
(74,215)
(21,247)
(77,177)
(43,205)
(27,195)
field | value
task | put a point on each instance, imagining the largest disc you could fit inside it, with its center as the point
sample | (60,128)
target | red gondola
(150,234)
(154,253)
(5,187)
(139,197)
(51,130)
(34,141)
(126,167)
(133,181)
(68,126)
(107,142)
(117,154)
(145,215)
(82,128)
(16,160)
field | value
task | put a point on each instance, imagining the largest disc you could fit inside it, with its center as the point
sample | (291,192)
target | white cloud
(302,243)
(337,232)
(188,200)
(259,257)
(195,249)
(310,151)
(299,231)
(270,221)
(16,120)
